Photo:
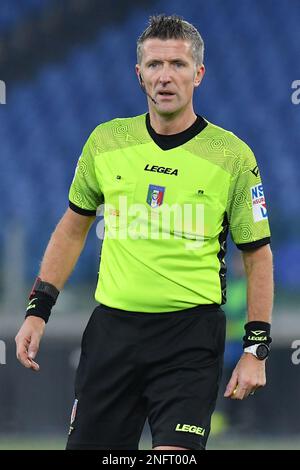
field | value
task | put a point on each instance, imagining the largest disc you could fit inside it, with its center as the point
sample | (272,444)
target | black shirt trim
(81,211)
(168,142)
(253,245)
(221,256)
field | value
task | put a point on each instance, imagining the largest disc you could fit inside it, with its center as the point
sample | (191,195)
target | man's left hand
(248,375)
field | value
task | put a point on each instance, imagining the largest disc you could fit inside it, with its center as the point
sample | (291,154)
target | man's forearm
(60,258)
(260,286)
(63,250)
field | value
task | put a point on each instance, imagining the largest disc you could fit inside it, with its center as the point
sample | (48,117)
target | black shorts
(164,366)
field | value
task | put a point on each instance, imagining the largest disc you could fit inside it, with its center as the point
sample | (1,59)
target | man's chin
(167,108)
(167,111)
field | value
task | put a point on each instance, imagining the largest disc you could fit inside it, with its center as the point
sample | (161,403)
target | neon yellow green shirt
(168,211)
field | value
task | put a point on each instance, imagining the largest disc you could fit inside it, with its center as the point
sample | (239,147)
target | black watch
(261,351)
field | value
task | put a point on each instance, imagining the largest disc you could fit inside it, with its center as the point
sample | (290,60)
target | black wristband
(43,286)
(257,332)
(40,305)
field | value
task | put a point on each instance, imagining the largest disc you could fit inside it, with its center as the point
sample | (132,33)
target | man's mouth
(166,95)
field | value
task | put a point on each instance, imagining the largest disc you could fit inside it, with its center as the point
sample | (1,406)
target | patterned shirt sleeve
(85,194)
(246,208)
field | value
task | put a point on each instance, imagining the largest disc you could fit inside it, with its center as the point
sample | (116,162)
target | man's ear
(200,71)
(138,73)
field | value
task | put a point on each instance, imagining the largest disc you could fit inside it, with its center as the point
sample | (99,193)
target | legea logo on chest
(162,169)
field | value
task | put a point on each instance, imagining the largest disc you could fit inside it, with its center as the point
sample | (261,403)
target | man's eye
(153,64)
(179,64)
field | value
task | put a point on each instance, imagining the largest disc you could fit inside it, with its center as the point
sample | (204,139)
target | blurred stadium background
(69,65)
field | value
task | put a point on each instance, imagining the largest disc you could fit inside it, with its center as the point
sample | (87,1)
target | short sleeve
(246,207)
(85,194)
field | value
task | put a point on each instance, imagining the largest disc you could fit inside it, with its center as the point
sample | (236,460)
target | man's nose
(165,75)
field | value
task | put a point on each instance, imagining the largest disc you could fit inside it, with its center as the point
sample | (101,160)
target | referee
(173,184)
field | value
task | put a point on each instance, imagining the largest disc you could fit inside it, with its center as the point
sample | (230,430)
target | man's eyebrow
(149,61)
(177,59)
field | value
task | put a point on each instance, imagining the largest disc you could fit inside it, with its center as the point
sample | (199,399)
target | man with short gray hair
(154,345)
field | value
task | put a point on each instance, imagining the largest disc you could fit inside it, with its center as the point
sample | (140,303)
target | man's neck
(172,124)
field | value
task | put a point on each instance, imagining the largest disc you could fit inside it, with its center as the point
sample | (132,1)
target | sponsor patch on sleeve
(258,203)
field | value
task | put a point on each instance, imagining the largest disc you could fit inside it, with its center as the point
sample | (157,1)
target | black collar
(168,142)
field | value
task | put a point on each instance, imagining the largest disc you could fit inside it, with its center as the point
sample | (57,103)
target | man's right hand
(28,341)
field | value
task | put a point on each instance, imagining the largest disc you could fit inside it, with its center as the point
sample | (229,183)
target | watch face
(262,351)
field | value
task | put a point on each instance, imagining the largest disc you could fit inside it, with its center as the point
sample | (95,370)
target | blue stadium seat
(246,89)
(12,12)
